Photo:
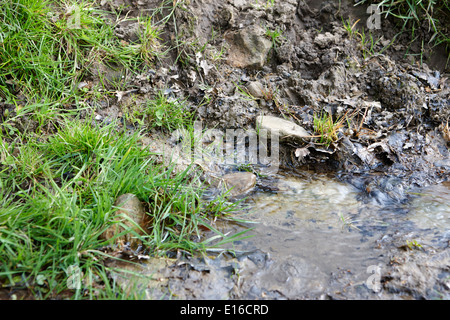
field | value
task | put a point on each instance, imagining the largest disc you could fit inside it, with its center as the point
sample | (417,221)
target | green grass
(276,36)
(326,128)
(162,112)
(57,197)
(368,44)
(349,26)
(266,4)
(60,175)
(432,16)
(413,244)
(45,51)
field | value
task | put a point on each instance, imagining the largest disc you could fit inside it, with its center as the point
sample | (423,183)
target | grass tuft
(48,47)
(432,16)
(326,128)
(57,197)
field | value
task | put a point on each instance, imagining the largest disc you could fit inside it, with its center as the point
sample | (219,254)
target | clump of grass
(57,196)
(163,111)
(413,244)
(367,42)
(418,14)
(149,46)
(168,112)
(268,4)
(47,47)
(275,35)
(326,128)
(349,26)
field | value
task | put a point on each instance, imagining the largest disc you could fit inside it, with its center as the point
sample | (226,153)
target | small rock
(256,89)
(284,128)
(131,214)
(239,182)
(249,48)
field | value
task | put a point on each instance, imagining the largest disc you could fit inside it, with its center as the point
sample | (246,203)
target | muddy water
(311,230)
(431,209)
(313,238)
(312,220)
(323,242)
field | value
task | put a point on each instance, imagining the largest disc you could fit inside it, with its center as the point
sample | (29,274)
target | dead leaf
(445,131)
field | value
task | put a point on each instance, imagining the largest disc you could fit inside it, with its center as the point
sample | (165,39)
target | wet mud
(395,111)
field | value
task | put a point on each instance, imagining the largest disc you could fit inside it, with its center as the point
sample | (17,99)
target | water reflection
(431,209)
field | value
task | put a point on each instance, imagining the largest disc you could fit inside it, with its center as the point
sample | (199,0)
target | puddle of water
(322,202)
(314,221)
(431,210)
(320,227)
(313,239)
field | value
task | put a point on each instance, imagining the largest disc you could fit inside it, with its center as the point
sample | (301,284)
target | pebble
(256,89)
(237,183)
(130,208)
(284,128)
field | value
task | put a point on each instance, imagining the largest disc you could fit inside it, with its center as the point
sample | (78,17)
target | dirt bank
(235,60)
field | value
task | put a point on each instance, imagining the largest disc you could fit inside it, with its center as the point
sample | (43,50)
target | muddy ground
(398,110)
(397,139)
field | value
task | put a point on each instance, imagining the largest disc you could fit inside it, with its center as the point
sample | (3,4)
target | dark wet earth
(313,239)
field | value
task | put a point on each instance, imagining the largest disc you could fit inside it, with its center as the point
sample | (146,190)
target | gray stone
(238,183)
(131,214)
(324,40)
(256,89)
(284,128)
(249,47)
